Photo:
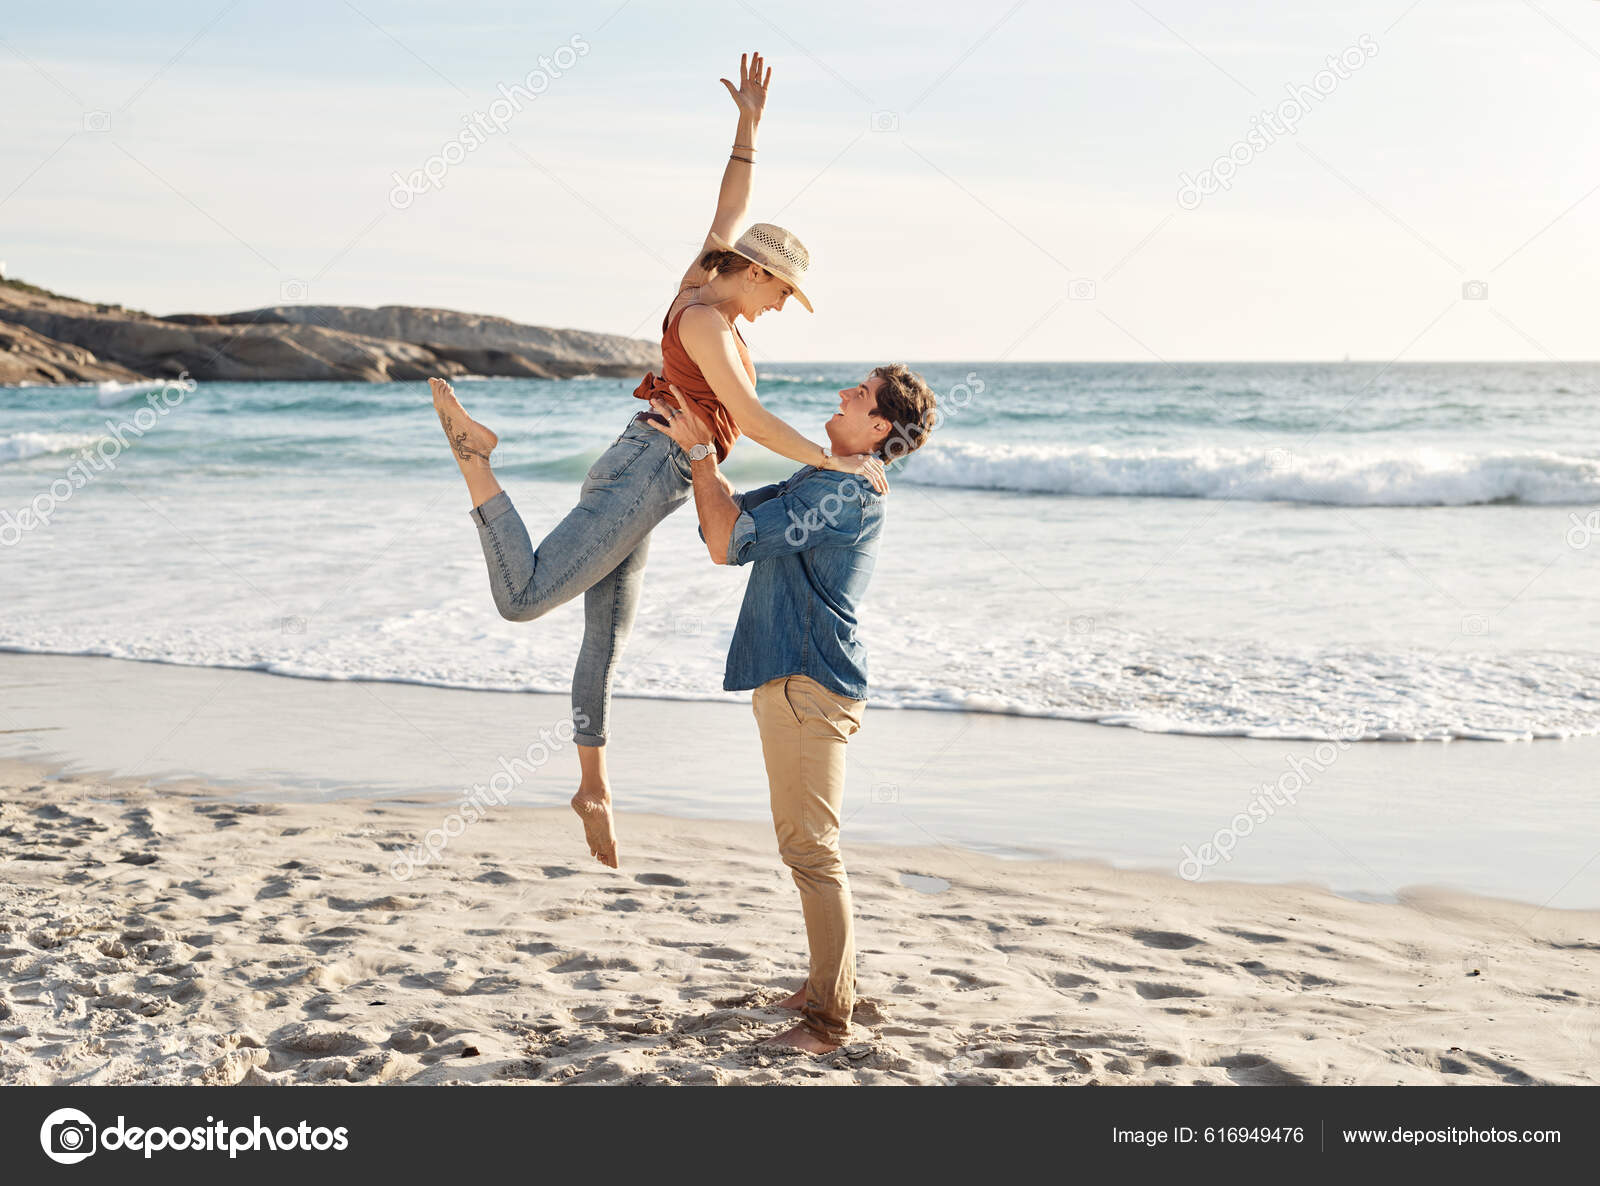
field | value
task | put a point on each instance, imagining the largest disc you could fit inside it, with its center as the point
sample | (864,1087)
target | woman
(599,549)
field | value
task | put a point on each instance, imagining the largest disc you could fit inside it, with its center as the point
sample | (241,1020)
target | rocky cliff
(48,338)
(27,357)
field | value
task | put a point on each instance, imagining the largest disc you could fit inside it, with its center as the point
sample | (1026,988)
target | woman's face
(763,291)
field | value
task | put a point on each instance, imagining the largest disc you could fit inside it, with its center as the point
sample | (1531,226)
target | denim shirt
(812,541)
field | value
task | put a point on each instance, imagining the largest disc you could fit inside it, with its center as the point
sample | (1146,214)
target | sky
(1115,179)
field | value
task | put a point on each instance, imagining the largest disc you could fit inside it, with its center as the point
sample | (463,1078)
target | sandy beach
(1008,786)
(174,935)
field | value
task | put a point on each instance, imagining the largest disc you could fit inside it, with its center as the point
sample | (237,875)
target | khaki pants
(804,728)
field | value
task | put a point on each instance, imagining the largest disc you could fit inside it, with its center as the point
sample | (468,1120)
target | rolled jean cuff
(491,510)
(592,740)
(744,529)
(828,1029)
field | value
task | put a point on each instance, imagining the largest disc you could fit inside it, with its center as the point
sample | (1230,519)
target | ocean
(1384,553)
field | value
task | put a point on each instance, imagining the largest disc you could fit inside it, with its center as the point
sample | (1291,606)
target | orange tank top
(678,369)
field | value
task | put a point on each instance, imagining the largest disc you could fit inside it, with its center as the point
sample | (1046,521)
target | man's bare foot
(803,1039)
(470,441)
(594,809)
(796,1002)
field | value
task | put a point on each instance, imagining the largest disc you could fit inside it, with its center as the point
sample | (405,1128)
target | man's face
(856,427)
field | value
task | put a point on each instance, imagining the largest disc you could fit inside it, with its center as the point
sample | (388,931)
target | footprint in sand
(388,902)
(1164,992)
(595,963)
(277,887)
(659,879)
(965,981)
(1253,936)
(417,1036)
(723,953)
(1255,1070)
(1166,940)
(1071,980)
(302,1037)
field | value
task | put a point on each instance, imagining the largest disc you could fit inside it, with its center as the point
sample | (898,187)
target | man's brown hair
(907,402)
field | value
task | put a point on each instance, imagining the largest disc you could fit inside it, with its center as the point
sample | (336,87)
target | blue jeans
(598,550)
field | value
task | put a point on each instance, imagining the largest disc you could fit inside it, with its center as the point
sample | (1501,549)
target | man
(812,540)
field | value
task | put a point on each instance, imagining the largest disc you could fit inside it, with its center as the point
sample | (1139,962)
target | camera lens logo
(67,1135)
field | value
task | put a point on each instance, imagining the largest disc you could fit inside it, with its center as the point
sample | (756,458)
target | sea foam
(20,446)
(1371,477)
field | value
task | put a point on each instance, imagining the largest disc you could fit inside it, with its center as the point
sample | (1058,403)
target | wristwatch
(699,452)
(827,455)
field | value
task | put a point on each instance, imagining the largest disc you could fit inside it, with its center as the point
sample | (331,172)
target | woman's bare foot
(801,1038)
(470,441)
(593,806)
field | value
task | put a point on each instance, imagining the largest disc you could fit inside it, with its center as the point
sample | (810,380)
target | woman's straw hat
(775,249)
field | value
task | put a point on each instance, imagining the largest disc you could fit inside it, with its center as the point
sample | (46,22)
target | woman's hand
(865,464)
(683,422)
(751,95)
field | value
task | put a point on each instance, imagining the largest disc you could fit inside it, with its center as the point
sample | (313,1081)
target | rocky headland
(46,338)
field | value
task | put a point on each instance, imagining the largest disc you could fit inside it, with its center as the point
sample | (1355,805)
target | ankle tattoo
(458,440)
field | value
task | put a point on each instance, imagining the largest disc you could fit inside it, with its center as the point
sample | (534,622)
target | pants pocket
(805,696)
(793,699)
(680,462)
(619,458)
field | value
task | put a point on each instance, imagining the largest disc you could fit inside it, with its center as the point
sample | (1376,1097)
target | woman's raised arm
(738,178)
